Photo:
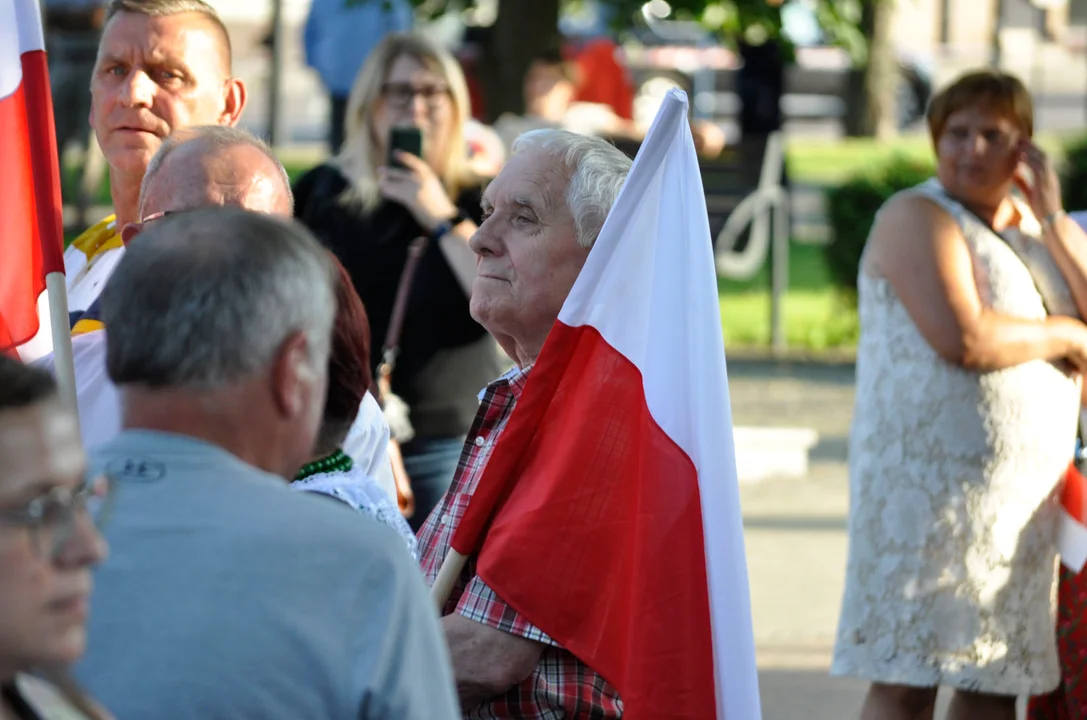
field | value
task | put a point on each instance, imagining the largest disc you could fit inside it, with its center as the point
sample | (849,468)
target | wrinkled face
(528,255)
(414,95)
(978,153)
(43,599)
(155,75)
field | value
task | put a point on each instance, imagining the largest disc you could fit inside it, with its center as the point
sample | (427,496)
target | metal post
(779,274)
(275,74)
(996,56)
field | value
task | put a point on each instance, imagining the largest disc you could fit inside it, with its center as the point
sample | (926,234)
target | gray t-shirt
(227,595)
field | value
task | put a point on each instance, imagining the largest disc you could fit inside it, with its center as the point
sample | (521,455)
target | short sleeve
(482,604)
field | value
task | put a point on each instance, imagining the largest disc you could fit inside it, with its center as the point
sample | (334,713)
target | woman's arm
(1064,239)
(419,189)
(920,250)
(461,257)
(1067,243)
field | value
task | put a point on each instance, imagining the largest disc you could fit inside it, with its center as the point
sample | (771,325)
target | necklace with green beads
(337,462)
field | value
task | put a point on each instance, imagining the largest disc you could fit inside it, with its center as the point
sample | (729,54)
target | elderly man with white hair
(541,216)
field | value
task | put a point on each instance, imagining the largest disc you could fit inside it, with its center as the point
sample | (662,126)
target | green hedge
(851,209)
(1074,175)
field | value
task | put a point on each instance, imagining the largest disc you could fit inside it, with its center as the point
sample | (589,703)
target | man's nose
(483,241)
(138,90)
(85,546)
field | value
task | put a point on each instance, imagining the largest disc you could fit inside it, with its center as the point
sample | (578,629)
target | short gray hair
(597,171)
(216,138)
(167,8)
(205,298)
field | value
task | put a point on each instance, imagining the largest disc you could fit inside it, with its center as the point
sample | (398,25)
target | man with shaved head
(162,66)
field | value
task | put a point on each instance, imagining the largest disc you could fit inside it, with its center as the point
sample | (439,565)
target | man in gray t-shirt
(226,594)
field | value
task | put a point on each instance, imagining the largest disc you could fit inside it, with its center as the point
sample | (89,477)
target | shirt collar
(515,379)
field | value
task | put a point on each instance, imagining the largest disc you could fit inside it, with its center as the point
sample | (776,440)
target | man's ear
(236,97)
(293,376)
(130,231)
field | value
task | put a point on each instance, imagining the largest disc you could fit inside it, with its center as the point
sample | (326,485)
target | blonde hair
(358,160)
(995,90)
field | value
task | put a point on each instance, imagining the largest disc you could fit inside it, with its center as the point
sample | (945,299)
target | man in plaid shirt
(541,216)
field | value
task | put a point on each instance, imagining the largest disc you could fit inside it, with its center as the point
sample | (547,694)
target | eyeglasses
(51,518)
(401,95)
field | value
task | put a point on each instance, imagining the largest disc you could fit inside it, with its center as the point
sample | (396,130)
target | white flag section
(654,258)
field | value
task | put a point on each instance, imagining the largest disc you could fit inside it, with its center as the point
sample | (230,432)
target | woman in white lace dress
(965,418)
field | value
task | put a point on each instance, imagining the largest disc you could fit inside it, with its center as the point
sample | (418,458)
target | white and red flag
(609,513)
(31,243)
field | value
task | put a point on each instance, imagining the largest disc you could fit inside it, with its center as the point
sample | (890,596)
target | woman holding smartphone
(403,173)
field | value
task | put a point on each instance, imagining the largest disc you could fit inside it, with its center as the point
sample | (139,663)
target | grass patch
(815,315)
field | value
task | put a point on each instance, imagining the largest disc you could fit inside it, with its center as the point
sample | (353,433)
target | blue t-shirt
(228,595)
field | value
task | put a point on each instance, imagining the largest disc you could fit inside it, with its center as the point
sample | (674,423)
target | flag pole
(63,362)
(447,576)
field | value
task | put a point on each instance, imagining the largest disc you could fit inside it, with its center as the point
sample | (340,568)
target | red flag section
(31,245)
(599,541)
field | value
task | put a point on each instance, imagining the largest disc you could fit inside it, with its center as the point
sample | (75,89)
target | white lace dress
(951,576)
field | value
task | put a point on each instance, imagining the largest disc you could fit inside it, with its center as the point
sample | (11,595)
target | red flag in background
(608,514)
(31,243)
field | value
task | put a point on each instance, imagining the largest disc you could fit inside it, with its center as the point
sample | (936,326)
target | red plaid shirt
(561,686)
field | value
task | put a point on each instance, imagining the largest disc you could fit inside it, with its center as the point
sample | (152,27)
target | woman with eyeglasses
(369,203)
(48,546)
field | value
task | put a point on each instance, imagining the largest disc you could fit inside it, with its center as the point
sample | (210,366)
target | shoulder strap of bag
(396,320)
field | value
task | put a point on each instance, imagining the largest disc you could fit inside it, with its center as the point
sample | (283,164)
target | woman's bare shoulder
(908,224)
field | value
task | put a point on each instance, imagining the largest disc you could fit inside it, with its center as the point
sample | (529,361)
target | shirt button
(445,518)
(480,440)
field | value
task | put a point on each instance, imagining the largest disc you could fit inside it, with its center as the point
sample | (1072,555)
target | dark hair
(552,57)
(349,374)
(21,385)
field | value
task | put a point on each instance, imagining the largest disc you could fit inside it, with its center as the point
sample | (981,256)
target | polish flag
(609,513)
(1072,532)
(32,236)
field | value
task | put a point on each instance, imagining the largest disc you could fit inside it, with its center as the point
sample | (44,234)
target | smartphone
(406,139)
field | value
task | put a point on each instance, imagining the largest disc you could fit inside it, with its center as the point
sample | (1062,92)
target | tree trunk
(522,30)
(871,103)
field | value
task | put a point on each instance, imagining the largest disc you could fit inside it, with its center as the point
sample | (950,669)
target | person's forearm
(1067,243)
(459,255)
(1000,341)
(486,662)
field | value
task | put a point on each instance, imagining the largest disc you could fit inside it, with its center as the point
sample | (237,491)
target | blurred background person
(966,408)
(48,547)
(368,212)
(338,37)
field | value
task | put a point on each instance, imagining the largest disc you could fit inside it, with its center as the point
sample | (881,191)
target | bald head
(215,166)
